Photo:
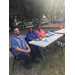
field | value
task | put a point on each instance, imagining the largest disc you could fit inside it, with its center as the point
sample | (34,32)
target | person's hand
(36,39)
(28,51)
(39,38)
(42,36)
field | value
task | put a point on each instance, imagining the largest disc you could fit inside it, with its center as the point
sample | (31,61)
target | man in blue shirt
(21,49)
(32,35)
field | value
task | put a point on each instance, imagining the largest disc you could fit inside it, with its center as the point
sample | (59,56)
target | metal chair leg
(21,62)
(13,65)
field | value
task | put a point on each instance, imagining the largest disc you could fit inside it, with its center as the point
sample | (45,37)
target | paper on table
(45,40)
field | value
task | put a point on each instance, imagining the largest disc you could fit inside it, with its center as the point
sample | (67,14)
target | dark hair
(29,29)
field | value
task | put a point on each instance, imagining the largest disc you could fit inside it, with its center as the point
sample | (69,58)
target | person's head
(30,30)
(16,31)
(38,27)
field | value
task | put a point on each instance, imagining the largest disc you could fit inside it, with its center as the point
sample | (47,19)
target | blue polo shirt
(18,42)
(34,35)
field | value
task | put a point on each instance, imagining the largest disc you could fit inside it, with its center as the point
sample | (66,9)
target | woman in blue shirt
(32,36)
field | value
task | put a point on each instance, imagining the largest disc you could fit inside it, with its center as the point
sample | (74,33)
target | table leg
(43,54)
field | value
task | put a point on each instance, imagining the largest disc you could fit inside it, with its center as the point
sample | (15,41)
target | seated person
(32,36)
(39,31)
(21,49)
(59,26)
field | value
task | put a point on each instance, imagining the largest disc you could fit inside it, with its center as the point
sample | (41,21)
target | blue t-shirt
(34,35)
(18,42)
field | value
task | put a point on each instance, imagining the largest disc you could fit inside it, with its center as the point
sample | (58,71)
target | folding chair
(26,39)
(59,44)
(16,59)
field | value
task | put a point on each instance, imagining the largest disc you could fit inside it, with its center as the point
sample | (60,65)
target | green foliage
(29,10)
(54,8)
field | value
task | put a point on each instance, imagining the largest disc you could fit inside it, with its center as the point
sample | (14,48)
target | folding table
(61,31)
(43,44)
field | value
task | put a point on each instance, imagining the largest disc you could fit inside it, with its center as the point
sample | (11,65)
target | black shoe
(36,61)
(28,66)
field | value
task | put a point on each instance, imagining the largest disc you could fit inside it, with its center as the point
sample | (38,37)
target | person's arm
(33,39)
(28,47)
(37,36)
(15,46)
(43,31)
(21,50)
(61,26)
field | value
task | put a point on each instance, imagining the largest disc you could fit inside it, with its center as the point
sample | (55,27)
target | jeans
(26,57)
(33,52)
(35,47)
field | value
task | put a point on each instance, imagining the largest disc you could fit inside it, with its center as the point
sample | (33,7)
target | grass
(55,64)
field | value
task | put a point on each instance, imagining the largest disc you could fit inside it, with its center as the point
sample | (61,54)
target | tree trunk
(11,20)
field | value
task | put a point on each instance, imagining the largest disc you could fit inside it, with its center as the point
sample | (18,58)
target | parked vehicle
(56,21)
(44,22)
(59,20)
(29,23)
(20,25)
(49,21)
(36,23)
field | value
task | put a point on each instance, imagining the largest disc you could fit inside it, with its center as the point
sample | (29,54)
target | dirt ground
(23,32)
